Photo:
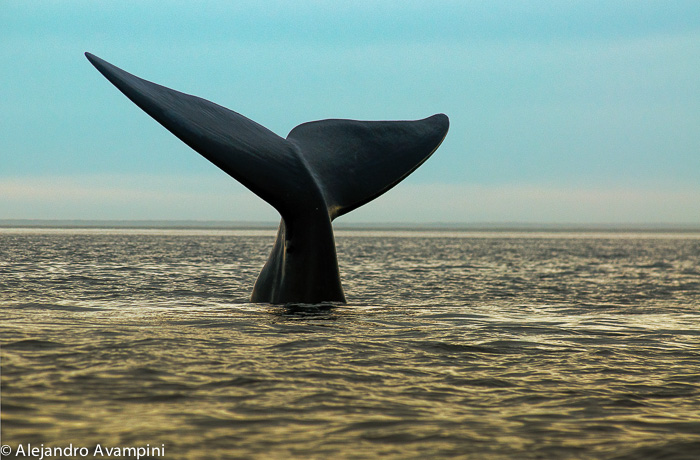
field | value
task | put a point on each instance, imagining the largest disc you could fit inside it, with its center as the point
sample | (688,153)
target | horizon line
(244,224)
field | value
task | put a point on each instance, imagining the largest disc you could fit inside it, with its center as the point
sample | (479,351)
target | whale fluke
(322,170)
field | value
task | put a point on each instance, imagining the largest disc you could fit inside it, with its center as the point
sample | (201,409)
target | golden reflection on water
(256,382)
(485,347)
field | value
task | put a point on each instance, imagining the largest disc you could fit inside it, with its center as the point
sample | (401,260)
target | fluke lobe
(322,170)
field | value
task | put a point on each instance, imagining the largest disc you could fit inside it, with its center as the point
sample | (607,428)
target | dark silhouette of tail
(322,170)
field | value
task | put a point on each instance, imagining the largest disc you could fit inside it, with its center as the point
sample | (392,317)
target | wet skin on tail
(322,170)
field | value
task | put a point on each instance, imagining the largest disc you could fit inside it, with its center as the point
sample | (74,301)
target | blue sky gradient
(561,112)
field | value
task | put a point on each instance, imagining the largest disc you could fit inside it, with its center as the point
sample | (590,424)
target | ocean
(453,344)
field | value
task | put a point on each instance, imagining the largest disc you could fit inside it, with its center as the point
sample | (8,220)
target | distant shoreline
(430,226)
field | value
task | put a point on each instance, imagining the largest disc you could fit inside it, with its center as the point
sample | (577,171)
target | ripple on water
(487,346)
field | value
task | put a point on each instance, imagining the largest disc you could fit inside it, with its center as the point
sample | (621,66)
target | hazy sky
(561,111)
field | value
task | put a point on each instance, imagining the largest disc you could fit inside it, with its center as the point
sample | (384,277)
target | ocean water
(452,345)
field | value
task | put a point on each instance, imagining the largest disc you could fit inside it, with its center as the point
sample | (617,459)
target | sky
(561,112)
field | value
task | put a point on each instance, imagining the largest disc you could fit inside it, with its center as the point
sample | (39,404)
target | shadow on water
(305,311)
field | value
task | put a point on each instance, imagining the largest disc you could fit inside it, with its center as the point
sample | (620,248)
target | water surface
(453,344)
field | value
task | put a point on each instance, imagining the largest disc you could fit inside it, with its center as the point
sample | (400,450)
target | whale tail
(322,170)
(349,162)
